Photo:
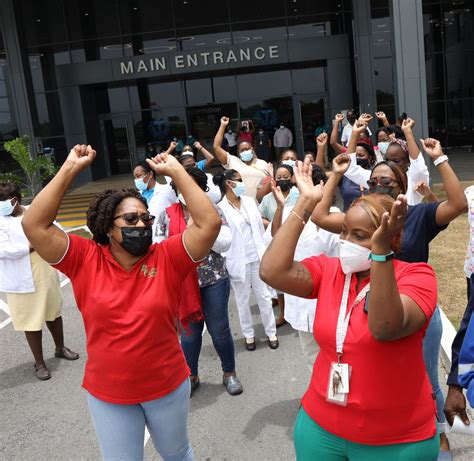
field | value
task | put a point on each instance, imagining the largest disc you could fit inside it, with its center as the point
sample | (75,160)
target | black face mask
(136,240)
(387,190)
(284,184)
(351,120)
(364,163)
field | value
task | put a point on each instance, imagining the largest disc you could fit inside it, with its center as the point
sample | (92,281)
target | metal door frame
(132,145)
(298,117)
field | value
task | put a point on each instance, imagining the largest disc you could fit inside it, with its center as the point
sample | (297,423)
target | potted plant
(35,169)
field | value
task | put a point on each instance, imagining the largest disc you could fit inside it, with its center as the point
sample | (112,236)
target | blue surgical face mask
(383,146)
(239,188)
(6,207)
(140,184)
(246,155)
(291,163)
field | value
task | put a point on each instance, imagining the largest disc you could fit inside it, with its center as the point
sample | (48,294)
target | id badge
(338,386)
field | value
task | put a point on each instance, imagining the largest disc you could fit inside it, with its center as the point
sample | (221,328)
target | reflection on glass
(225,88)
(258,85)
(310,80)
(205,120)
(49,114)
(56,149)
(139,16)
(198,91)
(247,10)
(154,129)
(188,13)
(269,112)
(118,100)
(313,121)
(383,81)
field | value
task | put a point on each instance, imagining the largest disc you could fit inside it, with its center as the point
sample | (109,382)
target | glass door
(311,114)
(118,143)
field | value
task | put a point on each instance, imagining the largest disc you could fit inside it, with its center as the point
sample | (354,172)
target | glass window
(383,81)
(189,13)
(198,92)
(435,87)
(459,74)
(140,16)
(460,123)
(258,85)
(49,114)
(118,99)
(318,26)
(437,120)
(202,37)
(432,28)
(251,32)
(56,148)
(246,10)
(225,88)
(269,112)
(168,94)
(204,121)
(309,80)
(458,27)
(305,7)
(43,62)
(42,22)
(86,19)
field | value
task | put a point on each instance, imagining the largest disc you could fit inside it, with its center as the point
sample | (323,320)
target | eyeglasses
(131,219)
(381,181)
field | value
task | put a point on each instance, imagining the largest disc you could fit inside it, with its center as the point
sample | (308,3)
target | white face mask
(354,258)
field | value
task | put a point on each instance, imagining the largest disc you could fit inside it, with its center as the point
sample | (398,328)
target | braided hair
(101,212)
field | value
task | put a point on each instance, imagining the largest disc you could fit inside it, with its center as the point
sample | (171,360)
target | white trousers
(310,348)
(264,301)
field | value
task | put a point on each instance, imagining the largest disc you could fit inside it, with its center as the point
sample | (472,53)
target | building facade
(127,76)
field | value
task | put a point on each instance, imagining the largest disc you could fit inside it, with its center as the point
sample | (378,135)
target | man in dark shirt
(455,400)
(263,145)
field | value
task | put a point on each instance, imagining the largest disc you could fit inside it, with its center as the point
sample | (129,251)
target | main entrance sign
(176,62)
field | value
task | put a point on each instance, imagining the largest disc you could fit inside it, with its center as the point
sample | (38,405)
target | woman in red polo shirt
(369,396)
(128,293)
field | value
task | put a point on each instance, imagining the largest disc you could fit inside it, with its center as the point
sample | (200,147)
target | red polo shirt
(390,399)
(133,350)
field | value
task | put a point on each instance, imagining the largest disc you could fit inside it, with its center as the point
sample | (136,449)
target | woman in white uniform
(31,284)
(243,256)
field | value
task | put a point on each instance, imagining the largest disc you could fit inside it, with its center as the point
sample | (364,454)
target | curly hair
(9,190)
(101,212)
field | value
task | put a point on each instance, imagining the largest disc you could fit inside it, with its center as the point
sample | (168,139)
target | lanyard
(343,319)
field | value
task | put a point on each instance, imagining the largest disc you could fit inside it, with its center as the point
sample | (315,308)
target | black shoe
(67,354)
(251,346)
(273,344)
(195,383)
(233,385)
(42,373)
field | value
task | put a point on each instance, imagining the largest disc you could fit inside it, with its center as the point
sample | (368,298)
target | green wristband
(382,258)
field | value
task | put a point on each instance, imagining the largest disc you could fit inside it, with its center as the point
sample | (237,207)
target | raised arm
(47,239)
(382,117)
(334,139)
(278,216)
(391,315)
(277,267)
(455,203)
(221,154)
(357,129)
(206,222)
(321,151)
(206,153)
(407,128)
(322,217)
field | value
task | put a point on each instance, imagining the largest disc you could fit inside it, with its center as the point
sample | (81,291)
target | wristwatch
(381,258)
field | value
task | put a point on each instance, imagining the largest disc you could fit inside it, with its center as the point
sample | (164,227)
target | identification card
(338,386)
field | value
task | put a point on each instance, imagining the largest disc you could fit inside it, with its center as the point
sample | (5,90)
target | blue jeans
(431,345)
(121,428)
(215,299)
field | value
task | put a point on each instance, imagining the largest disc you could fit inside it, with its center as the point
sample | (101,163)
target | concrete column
(364,56)
(22,99)
(410,71)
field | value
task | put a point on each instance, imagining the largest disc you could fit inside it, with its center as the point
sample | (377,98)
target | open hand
(432,147)
(391,224)
(81,156)
(277,194)
(164,164)
(270,169)
(304,182)
(340,164)
(322,139)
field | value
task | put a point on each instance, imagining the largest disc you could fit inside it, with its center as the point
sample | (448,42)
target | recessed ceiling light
(86,14)
(228,40)
(38,20)
(380,26)
(135,8)
(295,10)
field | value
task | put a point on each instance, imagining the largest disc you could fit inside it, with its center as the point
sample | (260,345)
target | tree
(35,170)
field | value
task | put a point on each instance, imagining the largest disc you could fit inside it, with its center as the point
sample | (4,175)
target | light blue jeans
(431,345)
(121,428)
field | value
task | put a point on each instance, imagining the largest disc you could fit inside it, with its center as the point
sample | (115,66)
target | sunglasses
(381,181)
(131,219)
